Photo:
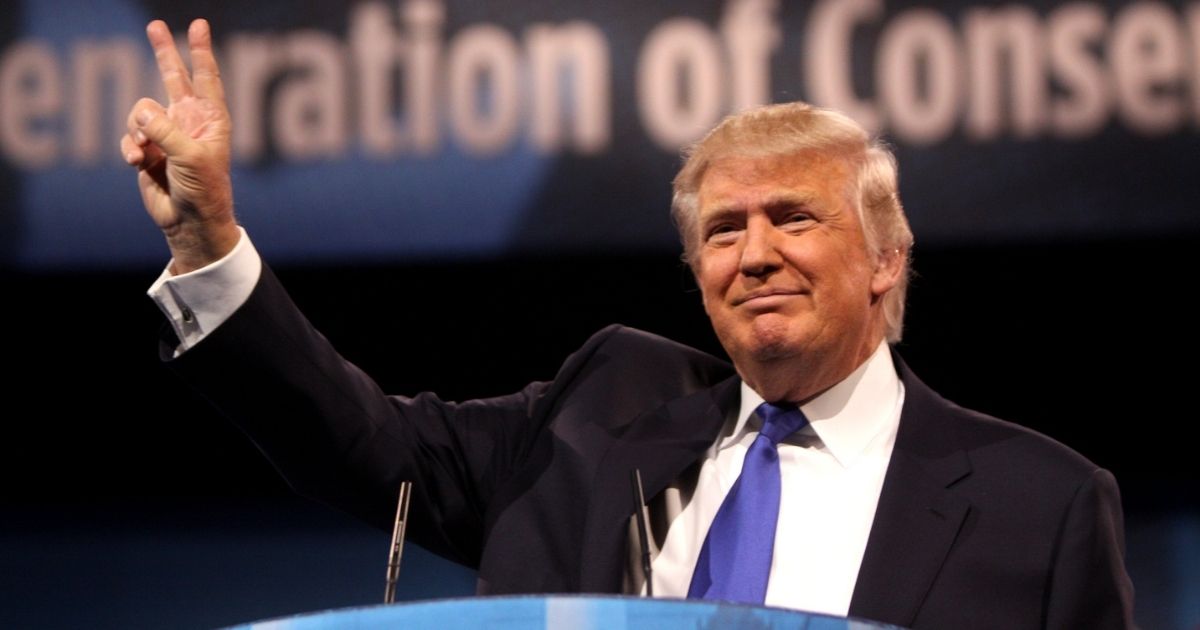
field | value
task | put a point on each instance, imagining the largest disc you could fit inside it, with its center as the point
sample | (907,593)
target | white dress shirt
(832,470)
(832,473)
(198,301)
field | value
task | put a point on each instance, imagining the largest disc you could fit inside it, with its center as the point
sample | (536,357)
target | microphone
(393,566)
(639,502)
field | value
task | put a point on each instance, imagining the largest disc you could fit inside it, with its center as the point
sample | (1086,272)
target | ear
(889,265)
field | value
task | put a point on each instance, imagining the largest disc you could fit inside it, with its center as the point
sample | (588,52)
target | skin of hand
(182,151)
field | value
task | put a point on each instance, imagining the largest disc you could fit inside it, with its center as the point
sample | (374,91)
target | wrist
(200,244)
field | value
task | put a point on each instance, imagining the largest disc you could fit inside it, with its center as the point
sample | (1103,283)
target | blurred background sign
(392,131)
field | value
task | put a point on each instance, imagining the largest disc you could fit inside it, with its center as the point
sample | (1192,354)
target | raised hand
(182,151)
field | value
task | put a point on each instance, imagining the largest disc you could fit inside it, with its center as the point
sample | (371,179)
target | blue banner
(431,129)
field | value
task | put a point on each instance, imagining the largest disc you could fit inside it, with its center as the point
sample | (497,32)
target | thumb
(163,132)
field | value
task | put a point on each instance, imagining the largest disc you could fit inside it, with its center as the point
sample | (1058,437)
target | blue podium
(562,613)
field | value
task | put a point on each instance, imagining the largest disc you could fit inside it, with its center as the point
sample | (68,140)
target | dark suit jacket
(981,523)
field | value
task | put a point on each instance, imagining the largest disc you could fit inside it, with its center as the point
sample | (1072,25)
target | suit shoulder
(1023,446)
(993,445)
(637,354)
(622,365)
(631,344)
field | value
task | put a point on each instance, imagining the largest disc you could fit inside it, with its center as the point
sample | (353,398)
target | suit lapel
(919,516)
(661,444)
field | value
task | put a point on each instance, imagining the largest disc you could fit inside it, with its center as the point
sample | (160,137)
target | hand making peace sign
(182,151)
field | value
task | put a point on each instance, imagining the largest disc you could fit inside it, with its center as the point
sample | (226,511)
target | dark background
(128,501)
(1054,287)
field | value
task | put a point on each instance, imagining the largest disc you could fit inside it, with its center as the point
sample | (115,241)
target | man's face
(784,268)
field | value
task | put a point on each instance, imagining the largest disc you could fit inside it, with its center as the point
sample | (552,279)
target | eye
(722,234)
(795,221)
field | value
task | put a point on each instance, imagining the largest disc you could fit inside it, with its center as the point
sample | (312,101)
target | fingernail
(143,117)
(131,157)
(138,136)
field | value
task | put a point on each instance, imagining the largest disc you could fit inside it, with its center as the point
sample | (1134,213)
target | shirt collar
(848,416)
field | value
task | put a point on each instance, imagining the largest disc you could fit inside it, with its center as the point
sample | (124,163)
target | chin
(767,353)
(766,338)
(768,348)
(773,337)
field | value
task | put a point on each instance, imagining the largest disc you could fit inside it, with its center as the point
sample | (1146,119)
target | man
(878,498)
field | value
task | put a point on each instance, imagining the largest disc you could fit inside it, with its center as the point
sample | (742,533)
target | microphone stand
(393,566)
(639,502)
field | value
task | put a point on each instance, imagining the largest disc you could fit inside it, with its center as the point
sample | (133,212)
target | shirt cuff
(199,301)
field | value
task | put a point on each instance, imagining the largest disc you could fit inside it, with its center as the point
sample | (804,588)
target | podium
(563,613)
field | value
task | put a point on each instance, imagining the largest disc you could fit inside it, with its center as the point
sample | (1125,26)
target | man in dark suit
(885,501)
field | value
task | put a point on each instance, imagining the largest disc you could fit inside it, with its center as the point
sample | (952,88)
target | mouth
(764,296)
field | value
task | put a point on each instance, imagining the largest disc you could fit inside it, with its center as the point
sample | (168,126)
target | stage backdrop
(396,130)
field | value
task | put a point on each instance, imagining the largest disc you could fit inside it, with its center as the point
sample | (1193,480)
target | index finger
(206,78)
(170,64)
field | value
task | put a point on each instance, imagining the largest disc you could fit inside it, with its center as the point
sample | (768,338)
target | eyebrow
(774,201)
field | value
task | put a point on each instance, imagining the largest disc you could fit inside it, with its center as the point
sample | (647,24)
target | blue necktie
(735,560)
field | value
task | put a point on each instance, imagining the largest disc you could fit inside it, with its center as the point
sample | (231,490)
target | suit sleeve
(335,436)
(1089,586)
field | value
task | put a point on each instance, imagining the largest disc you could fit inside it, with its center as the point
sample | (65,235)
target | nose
(760,252)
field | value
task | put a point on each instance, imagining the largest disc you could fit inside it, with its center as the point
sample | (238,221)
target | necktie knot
(780,420)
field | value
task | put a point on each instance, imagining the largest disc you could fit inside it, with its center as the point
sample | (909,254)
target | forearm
(336,436)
